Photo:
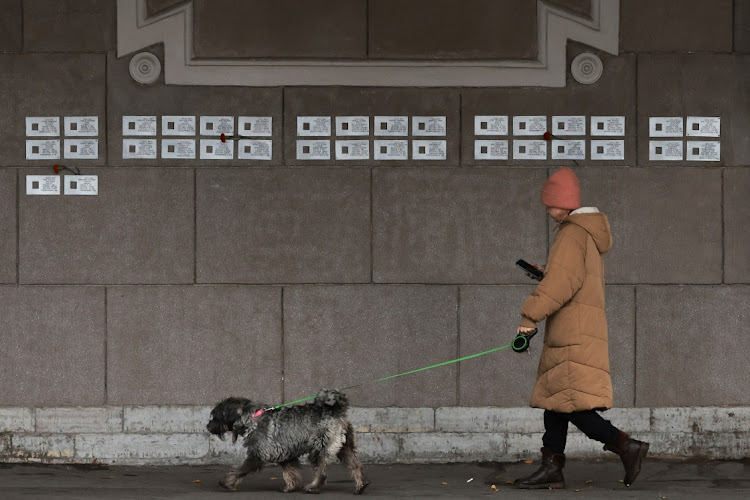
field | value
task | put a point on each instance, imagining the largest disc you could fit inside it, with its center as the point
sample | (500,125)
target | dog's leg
(233,479)
(348,456)
(319,477)
(292,476)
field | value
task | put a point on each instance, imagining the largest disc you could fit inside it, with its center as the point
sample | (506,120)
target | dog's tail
(331,400)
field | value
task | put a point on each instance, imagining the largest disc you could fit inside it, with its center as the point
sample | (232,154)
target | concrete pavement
(585,479)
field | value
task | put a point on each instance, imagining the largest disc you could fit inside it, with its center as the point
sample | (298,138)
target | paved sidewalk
(590,480)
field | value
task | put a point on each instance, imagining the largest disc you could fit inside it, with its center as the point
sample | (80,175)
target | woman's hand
(524,329)
(538,266)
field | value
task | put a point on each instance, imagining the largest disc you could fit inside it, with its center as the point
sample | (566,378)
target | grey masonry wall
(125,316)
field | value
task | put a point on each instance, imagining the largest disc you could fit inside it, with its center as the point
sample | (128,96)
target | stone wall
(127,314)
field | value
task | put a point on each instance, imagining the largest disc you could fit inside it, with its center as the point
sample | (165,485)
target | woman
(573,381)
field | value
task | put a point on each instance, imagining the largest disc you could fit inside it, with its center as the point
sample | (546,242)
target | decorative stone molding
(555,27)
(145,68)
(586,68)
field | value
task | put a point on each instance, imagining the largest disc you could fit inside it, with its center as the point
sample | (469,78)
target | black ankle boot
(549,475)
(632,452)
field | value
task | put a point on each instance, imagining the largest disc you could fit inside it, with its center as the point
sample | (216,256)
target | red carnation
(223,138)
(548,136)
(57,169)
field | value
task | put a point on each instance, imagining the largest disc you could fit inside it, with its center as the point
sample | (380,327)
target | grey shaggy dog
(318,429)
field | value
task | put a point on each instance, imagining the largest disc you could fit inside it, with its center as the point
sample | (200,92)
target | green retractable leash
(519,344)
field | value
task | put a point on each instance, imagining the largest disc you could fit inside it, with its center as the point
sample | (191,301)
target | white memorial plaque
(608,149)
(568,125)
(214,149)
(353,150)
(703,126)
(182,149)
(490,125)
(81,149)
(608,125)
(255,126)
(42,184)
(314,150)
(428,150)
(529,125)
(704,150)
(254,149)
(428,125)
(177,125)
(665,150)
(391,150)
(42,149)
(81,126)
(352,125)
(530,150)
(42,126)
(392,125)
(139,148)
(569,150)
(490,150)
(313,126)
(665,126)
(84,185)
(138,125)
(217,125)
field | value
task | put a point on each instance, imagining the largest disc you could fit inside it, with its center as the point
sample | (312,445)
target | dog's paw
(228,485)
(312,489)
(289,489)
(361,489)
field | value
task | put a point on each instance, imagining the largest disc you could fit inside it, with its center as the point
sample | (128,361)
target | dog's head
(227,417)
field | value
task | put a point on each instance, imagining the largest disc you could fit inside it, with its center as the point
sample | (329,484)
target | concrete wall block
(736,218)
(304,225)
(34,448)
(676,26)
(79,420)
(166,419)
(273,29)
(11,26)
(439,447)
(139,229)
(193,345)
(700,84)
(494,30)
(630,197)
(523,446)
(722,445)
(362,101)
(378,447)
(126,447)
(489,419)
(457,224)
(69,25)
(667,444)
(16,420)
(684,360)
(380,420)
(126,98)
(722,420)
(53,339)
(742,26)
(8,233)
(54,84)
(342,335)
(618,78)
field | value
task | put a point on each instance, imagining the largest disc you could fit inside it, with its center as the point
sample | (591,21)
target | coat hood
(595,223)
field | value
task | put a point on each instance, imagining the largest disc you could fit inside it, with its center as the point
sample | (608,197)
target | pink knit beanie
(561,190)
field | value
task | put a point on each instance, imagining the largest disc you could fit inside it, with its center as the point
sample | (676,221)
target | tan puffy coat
(573,372)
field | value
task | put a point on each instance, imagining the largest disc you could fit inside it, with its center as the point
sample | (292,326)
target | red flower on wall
(57,169)
(223,137)
(548,136)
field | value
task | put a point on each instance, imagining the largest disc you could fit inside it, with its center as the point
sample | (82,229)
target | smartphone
(530,269)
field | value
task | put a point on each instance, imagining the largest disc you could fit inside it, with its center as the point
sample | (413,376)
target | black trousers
(590,422)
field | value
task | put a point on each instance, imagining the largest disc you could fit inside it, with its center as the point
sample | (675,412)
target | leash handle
(521,342)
